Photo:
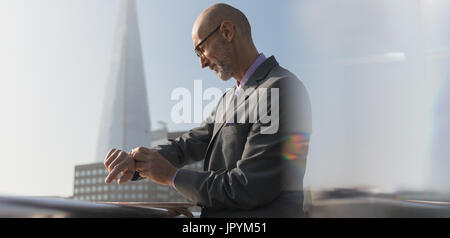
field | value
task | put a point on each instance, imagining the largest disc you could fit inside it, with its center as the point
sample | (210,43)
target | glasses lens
(199,53)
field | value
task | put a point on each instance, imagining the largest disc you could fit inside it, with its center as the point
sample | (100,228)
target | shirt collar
(261,58)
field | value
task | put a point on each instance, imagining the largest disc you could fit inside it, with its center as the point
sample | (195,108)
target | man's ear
(227,30)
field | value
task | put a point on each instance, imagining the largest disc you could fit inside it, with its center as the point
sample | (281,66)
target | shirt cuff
(173,179)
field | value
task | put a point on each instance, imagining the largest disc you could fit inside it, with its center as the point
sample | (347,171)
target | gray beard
(223,73)
(223,69)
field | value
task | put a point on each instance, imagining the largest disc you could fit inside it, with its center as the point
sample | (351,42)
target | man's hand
(153,166)
(116,162)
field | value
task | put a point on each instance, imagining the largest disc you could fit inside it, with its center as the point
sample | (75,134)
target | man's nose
(204,62)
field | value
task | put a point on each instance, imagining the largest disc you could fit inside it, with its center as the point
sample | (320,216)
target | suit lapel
(253,82)
(222,111)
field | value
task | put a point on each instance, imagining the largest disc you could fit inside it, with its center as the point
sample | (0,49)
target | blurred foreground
(345,203)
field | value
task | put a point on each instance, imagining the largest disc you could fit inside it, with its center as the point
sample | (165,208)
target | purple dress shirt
(261,58)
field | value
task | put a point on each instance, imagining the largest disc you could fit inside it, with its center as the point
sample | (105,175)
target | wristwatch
(136,176)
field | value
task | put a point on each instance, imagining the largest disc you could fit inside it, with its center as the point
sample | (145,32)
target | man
(252,167)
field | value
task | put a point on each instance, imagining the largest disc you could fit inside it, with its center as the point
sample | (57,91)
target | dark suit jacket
(248,173)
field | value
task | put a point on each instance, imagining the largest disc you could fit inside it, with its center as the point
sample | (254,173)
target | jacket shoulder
(280,77)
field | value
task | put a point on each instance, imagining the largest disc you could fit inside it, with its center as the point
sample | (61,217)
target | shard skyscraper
(125,122)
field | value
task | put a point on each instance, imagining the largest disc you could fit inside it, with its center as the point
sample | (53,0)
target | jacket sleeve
(190,147)
(260,174)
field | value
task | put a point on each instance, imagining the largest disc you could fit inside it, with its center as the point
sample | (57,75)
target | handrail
(50,207)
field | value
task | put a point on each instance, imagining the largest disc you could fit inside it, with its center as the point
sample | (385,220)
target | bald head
(216,14)
(228,50)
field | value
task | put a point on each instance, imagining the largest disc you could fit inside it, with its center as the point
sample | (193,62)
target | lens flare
(295,146)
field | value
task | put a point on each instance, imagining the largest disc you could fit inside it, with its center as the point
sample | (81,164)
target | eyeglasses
(198,51)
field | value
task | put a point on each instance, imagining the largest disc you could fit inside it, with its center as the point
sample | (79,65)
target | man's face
(217,55)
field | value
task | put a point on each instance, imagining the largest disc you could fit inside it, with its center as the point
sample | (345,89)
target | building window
(162,196)
(162,188)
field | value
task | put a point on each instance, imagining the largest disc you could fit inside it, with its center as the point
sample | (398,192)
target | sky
(376,72)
